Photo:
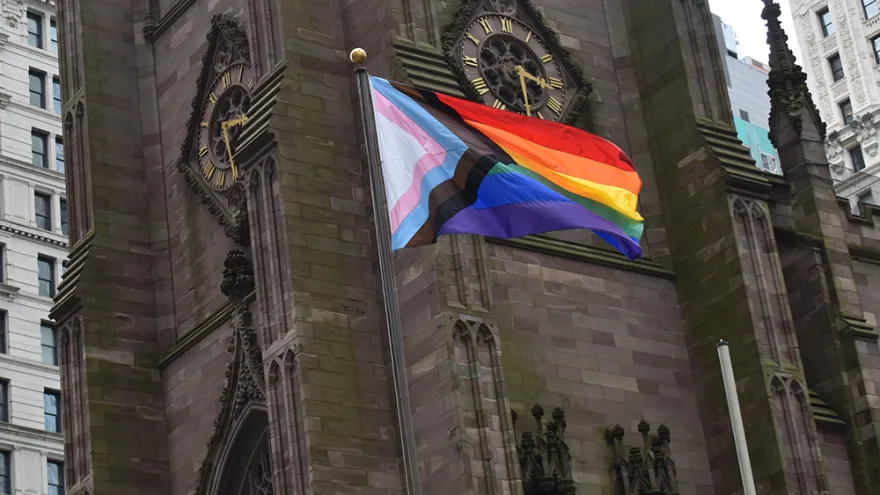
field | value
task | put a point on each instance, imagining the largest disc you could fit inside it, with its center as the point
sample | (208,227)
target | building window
(52,410)
(64,224)
(53,36)
(846,111)
(871,8)
(55,470)
(744,115)
(825,22)
(836,66)
(35,30)
(37,88)
(39,157)
(4,401)
(857,158)
(5,472)
(46,275)
(43,210)
(56,95)
(2,262)
(49,343)
(59,154)
(3,338)
(867,197)
(768,162)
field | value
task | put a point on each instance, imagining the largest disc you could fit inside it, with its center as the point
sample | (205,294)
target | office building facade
(746,80)
(840,47)
(33,244)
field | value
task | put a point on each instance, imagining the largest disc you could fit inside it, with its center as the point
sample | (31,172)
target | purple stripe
(521,219)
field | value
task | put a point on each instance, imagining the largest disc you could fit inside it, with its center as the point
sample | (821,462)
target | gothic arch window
(246,466)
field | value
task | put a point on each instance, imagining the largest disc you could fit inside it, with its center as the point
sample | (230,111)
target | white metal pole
(736,422)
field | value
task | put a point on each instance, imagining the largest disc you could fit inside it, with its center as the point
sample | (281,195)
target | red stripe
(546,133)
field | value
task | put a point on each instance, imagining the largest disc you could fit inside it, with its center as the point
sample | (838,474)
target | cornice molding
(34,237)
(52,371)
(5,98)
(589,254)
(41,112)
(32,433)
(868,173)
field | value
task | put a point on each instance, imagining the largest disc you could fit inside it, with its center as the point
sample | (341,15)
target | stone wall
(608,347)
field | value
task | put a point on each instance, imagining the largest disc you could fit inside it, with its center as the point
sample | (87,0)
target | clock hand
(522,83)
(234,122)
(539,82)
(225,127)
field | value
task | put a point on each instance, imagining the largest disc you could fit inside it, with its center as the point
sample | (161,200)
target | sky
(744,16)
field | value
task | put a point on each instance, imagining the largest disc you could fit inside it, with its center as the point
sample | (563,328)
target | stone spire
(787,81)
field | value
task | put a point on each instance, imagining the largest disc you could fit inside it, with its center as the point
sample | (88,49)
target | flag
(452,166)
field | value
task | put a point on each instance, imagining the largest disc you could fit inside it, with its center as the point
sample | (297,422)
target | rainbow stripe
(452,166)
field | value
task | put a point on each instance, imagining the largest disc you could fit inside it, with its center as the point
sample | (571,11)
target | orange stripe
(560,161)
(550,134)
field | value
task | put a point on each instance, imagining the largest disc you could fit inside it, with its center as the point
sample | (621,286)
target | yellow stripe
(614,197)
(572,165)
(618,198)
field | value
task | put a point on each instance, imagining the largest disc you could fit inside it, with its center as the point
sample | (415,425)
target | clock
(510,67)
(225,110)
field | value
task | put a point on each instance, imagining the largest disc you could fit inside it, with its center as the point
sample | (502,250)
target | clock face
(511,68)
(225,111)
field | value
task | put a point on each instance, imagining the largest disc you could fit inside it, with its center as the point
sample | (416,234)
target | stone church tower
(221,320)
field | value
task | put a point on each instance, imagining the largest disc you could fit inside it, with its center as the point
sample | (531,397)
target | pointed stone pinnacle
(787,81)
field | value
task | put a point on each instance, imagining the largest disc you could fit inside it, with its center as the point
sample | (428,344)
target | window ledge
(9,290)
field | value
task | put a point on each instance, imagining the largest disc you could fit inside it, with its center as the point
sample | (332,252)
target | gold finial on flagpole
(358,56)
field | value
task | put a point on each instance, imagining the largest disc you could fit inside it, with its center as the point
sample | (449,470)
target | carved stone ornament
(245,383)
(12,12)
(544,457)
(787,81)
(225,64)
(645,470)
(504,35)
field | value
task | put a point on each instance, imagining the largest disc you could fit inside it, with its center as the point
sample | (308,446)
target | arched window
(247,467)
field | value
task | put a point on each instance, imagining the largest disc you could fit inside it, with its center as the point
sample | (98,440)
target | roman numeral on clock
(556,83)
(480,85)
(220,180)
(546,58)
(212,98)
(227,79)
(473,38)
(472,61)
(506,25)
(554,105)
(203,151)
(209,170)
(499,105)
(486,26)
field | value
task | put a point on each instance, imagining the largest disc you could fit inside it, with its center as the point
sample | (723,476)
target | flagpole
(736,422)
(386,270)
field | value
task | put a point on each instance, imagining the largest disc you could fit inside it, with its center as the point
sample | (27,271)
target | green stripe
(632,228)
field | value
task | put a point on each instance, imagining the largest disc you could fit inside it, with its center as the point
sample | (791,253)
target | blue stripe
(454,147)
(506,188)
